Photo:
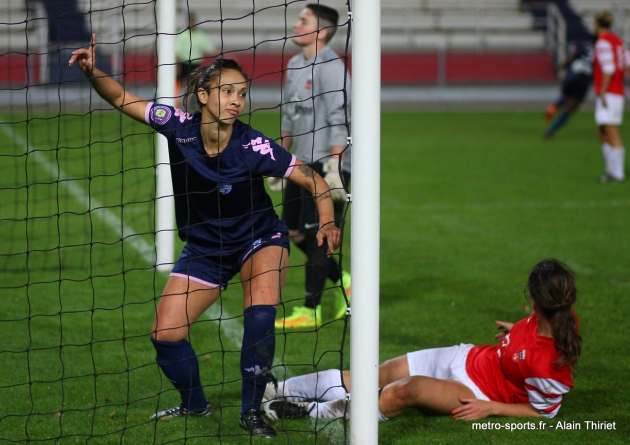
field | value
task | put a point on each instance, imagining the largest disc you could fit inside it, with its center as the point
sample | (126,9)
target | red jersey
(521,369)
(611,57)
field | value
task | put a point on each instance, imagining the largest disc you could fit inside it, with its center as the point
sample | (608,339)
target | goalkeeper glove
(333,178)
(276,184)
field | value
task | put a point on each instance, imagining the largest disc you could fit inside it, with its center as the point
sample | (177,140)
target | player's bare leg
(182,303)
(433,395)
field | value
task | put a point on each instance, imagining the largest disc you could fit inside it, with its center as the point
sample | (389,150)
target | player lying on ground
(527,374)
(223,213)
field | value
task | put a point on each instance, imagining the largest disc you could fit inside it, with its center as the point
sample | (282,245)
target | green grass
(470,202)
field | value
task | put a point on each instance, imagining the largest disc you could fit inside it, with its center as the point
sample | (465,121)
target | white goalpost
(365,230)
(164,202)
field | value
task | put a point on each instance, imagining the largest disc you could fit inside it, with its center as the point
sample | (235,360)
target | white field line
(509,205)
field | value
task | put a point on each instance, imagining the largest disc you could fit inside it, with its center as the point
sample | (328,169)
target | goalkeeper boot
(302,317)
(343,293)
(180,411)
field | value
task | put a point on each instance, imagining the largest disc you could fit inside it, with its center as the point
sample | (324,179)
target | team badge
(160,114)
(519,356)
(309,83)
(224,189)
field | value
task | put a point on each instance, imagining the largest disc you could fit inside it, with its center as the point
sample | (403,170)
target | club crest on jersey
(519,356)
(224,189)
(309,83)
(260,146)
(160,114)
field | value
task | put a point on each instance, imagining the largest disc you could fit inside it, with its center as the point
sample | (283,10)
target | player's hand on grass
(472,409)
(85,58)
(332,176)
(330,233)
(505,326)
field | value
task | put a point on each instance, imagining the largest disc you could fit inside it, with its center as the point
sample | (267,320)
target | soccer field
(470,202)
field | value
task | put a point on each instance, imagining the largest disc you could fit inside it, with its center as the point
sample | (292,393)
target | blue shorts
(214,268)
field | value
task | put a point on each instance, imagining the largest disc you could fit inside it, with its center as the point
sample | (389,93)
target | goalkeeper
(226,218)
(315,124)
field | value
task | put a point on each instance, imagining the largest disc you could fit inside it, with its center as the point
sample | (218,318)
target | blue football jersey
(220,201)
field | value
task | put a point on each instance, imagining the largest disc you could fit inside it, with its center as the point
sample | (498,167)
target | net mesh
(77,215)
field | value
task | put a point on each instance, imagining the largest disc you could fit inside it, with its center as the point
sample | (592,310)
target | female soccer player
(526,375)
(226,218)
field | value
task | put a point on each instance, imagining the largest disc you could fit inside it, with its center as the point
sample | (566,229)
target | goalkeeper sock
(179,364)
(259,345)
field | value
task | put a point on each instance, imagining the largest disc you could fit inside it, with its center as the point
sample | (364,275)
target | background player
(191,46)
(576,83)
(227,220)
(611,62)
(528,374)
(316,93)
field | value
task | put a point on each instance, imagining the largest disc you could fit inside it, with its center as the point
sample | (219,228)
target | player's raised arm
(107,87)
(308,178)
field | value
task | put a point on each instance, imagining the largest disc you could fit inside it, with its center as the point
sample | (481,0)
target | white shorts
(444,363)
(612,113)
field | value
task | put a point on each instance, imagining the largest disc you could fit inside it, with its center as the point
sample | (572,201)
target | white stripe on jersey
(545,395)
(605,56)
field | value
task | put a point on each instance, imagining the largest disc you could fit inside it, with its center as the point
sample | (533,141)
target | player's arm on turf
(473,409)
(505,326)
(308,178)
(107,87)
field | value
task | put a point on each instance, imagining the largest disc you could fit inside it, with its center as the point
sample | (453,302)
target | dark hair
(551,285)
(327,18)
(604,19)
(204,75)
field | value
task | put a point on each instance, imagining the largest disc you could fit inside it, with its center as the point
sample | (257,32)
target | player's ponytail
(204,75)
(551,285)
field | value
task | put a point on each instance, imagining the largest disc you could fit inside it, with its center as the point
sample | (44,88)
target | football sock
(606,152)
(324,385)
(617,155)
(179,364)
(259,344)
(332,409)
(559,122)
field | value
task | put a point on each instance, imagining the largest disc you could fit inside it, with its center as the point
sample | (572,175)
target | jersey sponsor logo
(160,114)
(260,146)
(519,356)
(183,116)
(224,189)
(185,140)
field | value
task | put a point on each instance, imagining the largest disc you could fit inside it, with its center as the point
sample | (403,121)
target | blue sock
(259,346)
(558,123)
(179,364)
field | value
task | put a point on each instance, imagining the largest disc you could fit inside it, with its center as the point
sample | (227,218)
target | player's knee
(171,335)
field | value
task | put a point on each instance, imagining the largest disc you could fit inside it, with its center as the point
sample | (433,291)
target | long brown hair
(551,285)
(204,75)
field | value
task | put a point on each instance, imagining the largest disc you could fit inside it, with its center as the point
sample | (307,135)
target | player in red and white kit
(611,62)
(528,374)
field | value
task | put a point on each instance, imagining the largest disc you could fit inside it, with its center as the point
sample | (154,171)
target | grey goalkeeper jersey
(316,98)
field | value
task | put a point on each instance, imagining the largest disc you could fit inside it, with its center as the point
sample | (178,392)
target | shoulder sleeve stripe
(291,166)
(548,386)
(147,110)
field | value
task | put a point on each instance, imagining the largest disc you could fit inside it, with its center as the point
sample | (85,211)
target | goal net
(78,221)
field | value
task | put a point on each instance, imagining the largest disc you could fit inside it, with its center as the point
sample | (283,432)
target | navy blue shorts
(577,86)
(215,269)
